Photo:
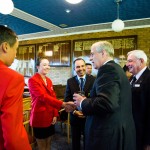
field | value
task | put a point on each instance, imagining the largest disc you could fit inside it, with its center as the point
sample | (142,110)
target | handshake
(69,106)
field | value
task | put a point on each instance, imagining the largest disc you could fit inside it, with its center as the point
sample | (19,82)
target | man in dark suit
(136,62)
(109,124)
(75,85)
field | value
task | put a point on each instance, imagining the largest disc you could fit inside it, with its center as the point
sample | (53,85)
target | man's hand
(78,99)
(79,114)
(69,106)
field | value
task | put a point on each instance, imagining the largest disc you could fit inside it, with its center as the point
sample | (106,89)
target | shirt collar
(107,61)
(81,77)
(140,73)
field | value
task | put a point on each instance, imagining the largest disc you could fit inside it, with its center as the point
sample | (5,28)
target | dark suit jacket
(109,124)
(141,109)
(72,87)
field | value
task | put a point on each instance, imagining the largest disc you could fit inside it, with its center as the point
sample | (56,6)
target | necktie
(81,84)
(133,81)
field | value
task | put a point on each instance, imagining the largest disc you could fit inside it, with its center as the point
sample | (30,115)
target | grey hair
(138,54)
(104,45)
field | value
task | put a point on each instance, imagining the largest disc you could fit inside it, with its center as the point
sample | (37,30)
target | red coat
(45,105)
(12,132)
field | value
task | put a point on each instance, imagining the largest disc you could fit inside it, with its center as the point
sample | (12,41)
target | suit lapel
(49,85)
(76,83)
(140,80)
(43,84)
(87,83)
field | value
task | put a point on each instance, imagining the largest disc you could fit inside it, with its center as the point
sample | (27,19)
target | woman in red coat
(45,105)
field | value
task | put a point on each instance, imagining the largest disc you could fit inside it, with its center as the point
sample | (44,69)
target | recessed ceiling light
(68,10)
(74,1)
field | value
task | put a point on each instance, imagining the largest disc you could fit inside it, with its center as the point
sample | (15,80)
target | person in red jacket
(12,132)
(45,105)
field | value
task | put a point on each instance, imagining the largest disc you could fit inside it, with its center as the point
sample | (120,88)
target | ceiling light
(118,25)
(68,10)
(74,1)
(6,7)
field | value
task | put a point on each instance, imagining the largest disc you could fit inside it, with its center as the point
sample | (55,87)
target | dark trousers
(77,131)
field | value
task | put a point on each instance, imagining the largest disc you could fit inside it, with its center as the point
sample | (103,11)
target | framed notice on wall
(25,60)
(59,53)
(122,45)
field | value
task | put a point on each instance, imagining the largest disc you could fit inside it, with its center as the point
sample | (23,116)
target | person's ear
(5,47)
(142,60)
(103,52)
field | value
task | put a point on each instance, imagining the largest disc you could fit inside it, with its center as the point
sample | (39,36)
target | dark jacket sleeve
(105,93)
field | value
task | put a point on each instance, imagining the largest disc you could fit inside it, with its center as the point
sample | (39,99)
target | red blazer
(12,132)
(45,105)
